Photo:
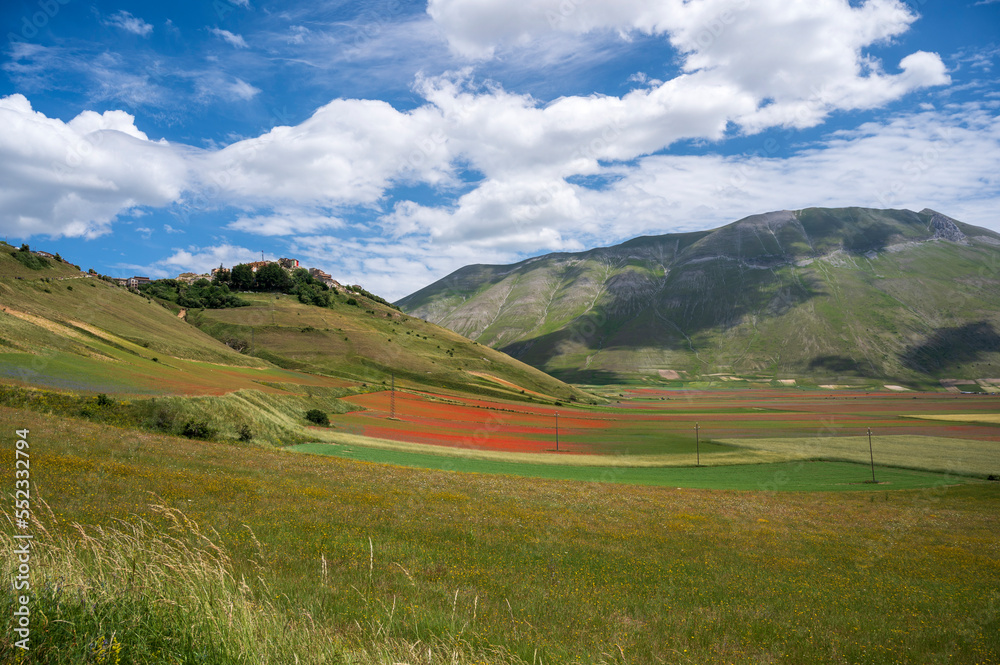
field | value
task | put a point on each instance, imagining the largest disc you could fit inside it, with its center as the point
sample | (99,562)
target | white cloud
(194,259)
(213,84)
(203,259)
(390,269)
(243,90)
(286,222)
(297,34)
(230,38)
(947,162)
(72,179)
(779,62)
(125,21)
(348,152)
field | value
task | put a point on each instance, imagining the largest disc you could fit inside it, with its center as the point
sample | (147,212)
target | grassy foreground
(283,558)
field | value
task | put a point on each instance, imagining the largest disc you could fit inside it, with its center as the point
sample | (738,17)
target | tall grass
(269,418)
(136,592)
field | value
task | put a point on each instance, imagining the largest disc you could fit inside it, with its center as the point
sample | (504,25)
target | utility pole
(557,431)
(392,396)
(697,444)
(871,454)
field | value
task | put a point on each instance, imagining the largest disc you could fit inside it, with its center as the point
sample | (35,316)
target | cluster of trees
(201,294)
(273,278)
(270,278)
(29,259)
(371,296)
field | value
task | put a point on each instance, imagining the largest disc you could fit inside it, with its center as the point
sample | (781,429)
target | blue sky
(391,142)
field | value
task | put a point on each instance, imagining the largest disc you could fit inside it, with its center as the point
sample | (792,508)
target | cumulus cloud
(286,222)
(944,161)
(72,179)
(349,152)
(123,20)
(930,159)
(779,62)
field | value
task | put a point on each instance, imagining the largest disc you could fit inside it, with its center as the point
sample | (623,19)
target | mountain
(848,295)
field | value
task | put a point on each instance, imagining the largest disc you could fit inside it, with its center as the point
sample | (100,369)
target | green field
(787,476)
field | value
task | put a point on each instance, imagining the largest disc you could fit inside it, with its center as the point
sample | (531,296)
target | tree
(241,278)
(221,275)
(273,277)
(317,416)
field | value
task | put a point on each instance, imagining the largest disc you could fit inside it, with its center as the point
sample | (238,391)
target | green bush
(318,417)
(197,429)
(30,260)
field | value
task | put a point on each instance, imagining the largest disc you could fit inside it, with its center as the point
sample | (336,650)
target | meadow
(199,551)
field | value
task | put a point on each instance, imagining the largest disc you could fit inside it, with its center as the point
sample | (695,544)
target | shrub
(104,400)
(318,417)
(246,434)
(197,429)
(29,260)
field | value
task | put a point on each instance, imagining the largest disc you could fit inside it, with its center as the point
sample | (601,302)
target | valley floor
(222,552)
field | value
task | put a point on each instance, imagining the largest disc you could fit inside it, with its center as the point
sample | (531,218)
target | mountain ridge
(681,302)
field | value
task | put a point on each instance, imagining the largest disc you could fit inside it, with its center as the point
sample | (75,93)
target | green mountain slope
(821,295)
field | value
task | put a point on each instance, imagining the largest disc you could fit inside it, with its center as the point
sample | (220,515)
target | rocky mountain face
(825,295)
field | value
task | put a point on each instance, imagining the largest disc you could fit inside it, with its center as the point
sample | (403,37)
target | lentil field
(939,432)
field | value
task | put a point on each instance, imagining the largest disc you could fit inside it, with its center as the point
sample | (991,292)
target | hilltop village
(287,264)
(218,288)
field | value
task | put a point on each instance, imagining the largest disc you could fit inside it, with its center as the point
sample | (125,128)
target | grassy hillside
(849,296)
(56,313)
(67,337)
(369,343)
